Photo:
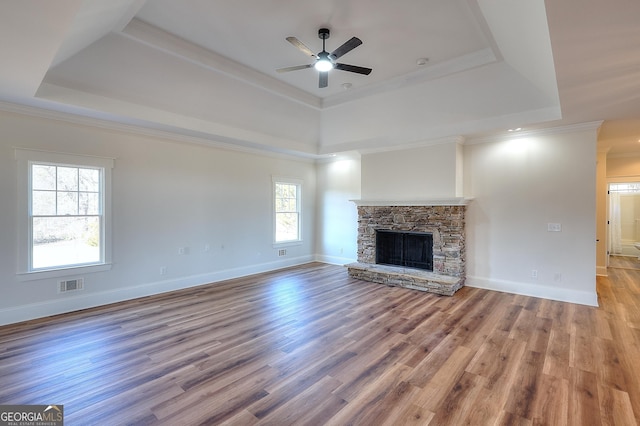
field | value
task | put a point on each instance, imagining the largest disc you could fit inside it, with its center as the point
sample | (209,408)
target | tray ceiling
(206,69)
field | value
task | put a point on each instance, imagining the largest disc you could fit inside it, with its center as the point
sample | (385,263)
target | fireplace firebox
(404,248)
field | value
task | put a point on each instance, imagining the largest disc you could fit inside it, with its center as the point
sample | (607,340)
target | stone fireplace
(442,219)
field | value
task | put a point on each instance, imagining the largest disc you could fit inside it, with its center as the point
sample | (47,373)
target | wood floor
(311,346)
(629,262)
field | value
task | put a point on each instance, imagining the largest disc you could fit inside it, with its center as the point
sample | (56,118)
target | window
(64,221)
(287,212)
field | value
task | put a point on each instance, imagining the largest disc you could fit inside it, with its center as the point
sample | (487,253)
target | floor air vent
(71,285)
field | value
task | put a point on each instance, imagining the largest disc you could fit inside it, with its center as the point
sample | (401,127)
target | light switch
(554,227)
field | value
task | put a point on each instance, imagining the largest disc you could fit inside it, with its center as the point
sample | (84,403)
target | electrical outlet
(207,247)
(163,270)
(534,274)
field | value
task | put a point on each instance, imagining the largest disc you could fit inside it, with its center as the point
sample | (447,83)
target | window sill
(63,272)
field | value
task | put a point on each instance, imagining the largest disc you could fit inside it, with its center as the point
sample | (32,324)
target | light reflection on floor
(287,299)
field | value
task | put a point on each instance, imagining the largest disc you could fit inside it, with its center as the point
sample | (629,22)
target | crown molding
(432,72)
(547,131)
(113,123)
(413,145)
(624,155)
(454,201)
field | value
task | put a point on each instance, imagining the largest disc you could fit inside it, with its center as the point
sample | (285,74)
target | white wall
(519,186)
(412,174)
(623,167)
(165,195)
(171,194)
(337,229)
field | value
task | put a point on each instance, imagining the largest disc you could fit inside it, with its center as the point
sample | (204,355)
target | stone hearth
(443,218)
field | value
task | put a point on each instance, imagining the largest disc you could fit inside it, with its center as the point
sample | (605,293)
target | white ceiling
(205,69)
(253,33)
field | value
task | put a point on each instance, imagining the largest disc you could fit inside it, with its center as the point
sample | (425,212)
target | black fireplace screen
(410,249)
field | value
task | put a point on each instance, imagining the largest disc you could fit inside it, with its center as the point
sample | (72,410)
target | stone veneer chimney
(443,218)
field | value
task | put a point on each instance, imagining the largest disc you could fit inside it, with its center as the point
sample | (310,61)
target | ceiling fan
(326,61)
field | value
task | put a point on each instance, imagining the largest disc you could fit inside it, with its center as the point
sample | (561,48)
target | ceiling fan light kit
(323,63)
(326,61)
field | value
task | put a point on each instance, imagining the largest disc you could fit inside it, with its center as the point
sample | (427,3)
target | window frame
(25,159)
(299,188)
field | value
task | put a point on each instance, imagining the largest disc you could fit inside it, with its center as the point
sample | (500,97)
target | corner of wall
(459,183)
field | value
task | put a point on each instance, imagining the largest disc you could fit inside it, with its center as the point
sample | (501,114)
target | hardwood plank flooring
(309,346)
(625,262)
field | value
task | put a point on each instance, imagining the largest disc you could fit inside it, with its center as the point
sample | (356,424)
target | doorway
(624,225)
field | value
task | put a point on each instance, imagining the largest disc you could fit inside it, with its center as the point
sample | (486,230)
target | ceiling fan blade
(301,46)
(324,79)
(346,47)
(353,68)
(297,67)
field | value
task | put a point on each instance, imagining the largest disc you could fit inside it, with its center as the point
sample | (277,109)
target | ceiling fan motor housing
(324,33)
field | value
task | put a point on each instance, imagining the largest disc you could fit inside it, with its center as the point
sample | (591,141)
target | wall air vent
(70,285)
(282,252)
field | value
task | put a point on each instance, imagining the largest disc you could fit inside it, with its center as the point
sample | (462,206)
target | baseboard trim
(84,301)
(541,291)
(91,300)
(601,271)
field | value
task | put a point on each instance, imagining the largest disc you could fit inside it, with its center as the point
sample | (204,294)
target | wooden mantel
(456,201)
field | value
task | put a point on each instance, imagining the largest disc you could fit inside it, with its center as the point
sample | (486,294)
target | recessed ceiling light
(422,61)
(517,129)
(346,86)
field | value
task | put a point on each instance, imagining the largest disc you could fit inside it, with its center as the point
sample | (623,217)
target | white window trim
(293,181)
(24,157)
